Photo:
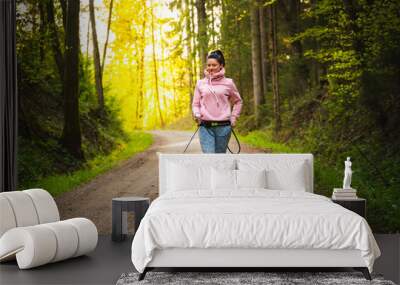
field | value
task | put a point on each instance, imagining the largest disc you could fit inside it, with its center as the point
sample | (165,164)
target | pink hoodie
(213,96)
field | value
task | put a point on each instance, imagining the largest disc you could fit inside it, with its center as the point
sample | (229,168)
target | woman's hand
(197,118)
(233,121)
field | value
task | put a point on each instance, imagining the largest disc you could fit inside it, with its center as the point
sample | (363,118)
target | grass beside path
(57,184)
(263,140)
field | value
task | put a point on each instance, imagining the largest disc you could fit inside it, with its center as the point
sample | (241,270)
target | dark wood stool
(120,207)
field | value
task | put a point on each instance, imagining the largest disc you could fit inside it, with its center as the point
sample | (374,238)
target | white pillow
(282,174)
(193,174)
(290,178)
(228,179)
(223,179)
(251,178)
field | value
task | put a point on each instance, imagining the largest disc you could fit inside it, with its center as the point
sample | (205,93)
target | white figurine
(347,174)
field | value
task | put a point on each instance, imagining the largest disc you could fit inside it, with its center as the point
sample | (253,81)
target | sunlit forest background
(319,76)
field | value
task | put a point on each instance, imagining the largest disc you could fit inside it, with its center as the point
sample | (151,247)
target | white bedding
(250,218)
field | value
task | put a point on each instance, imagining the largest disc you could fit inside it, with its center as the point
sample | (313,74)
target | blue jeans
(214,139)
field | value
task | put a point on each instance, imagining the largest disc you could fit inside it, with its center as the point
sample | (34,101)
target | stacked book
(343,194)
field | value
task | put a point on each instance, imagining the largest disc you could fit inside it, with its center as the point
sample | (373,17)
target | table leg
(140,211)
(116,222)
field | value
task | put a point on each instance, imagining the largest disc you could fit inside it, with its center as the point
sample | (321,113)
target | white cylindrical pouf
(45,205)
(7,218)
(87,234)
(33,245)
(67,239)
(23,208)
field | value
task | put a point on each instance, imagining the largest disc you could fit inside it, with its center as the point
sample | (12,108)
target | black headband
(218,56)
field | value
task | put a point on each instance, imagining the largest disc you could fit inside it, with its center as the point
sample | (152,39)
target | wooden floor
(111,259)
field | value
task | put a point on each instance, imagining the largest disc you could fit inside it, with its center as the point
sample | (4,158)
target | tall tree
(272,37)
(291,13)
(71,136)
(211,4)
(107,36)
(174,95)
(194,49)
(55,42)
(96,59)
(87,44)
(142,43)
(162,70)
(158,103)
(202,33)
(315,72)
(263,52)
(42,28)
(64,5)
(256,60)
(188,43)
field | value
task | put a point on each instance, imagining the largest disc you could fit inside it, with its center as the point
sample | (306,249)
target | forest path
(136,176)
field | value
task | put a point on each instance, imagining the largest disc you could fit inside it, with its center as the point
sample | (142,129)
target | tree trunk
(272,37)
(64,5)
(239,58)
(71,136)
(256,61)
(135,119)
(141,68)
(189,54)
(158,103)
(295,15)
(174,95)
(42,29)
(263,54)
(55,43)
(211,7)
(96,58)
(291,13)
(193,32)
(108,33)
(202,33)
(162,71)
(87,46)
(315,66)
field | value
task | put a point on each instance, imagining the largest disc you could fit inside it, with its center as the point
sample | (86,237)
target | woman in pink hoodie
(213,97)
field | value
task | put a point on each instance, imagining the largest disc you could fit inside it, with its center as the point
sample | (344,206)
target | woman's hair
(217,54)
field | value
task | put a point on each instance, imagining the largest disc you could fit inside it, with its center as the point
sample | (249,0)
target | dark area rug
(225,278)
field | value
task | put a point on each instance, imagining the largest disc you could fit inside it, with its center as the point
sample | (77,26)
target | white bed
(248,227)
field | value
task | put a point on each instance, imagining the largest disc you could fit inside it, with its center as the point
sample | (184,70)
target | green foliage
(356,114)
(339,98)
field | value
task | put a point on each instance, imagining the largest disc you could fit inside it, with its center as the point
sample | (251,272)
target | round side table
(120,207)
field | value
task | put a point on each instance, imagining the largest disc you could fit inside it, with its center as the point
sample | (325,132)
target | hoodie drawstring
(212,90)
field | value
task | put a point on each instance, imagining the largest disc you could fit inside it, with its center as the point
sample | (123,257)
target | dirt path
(137,176)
